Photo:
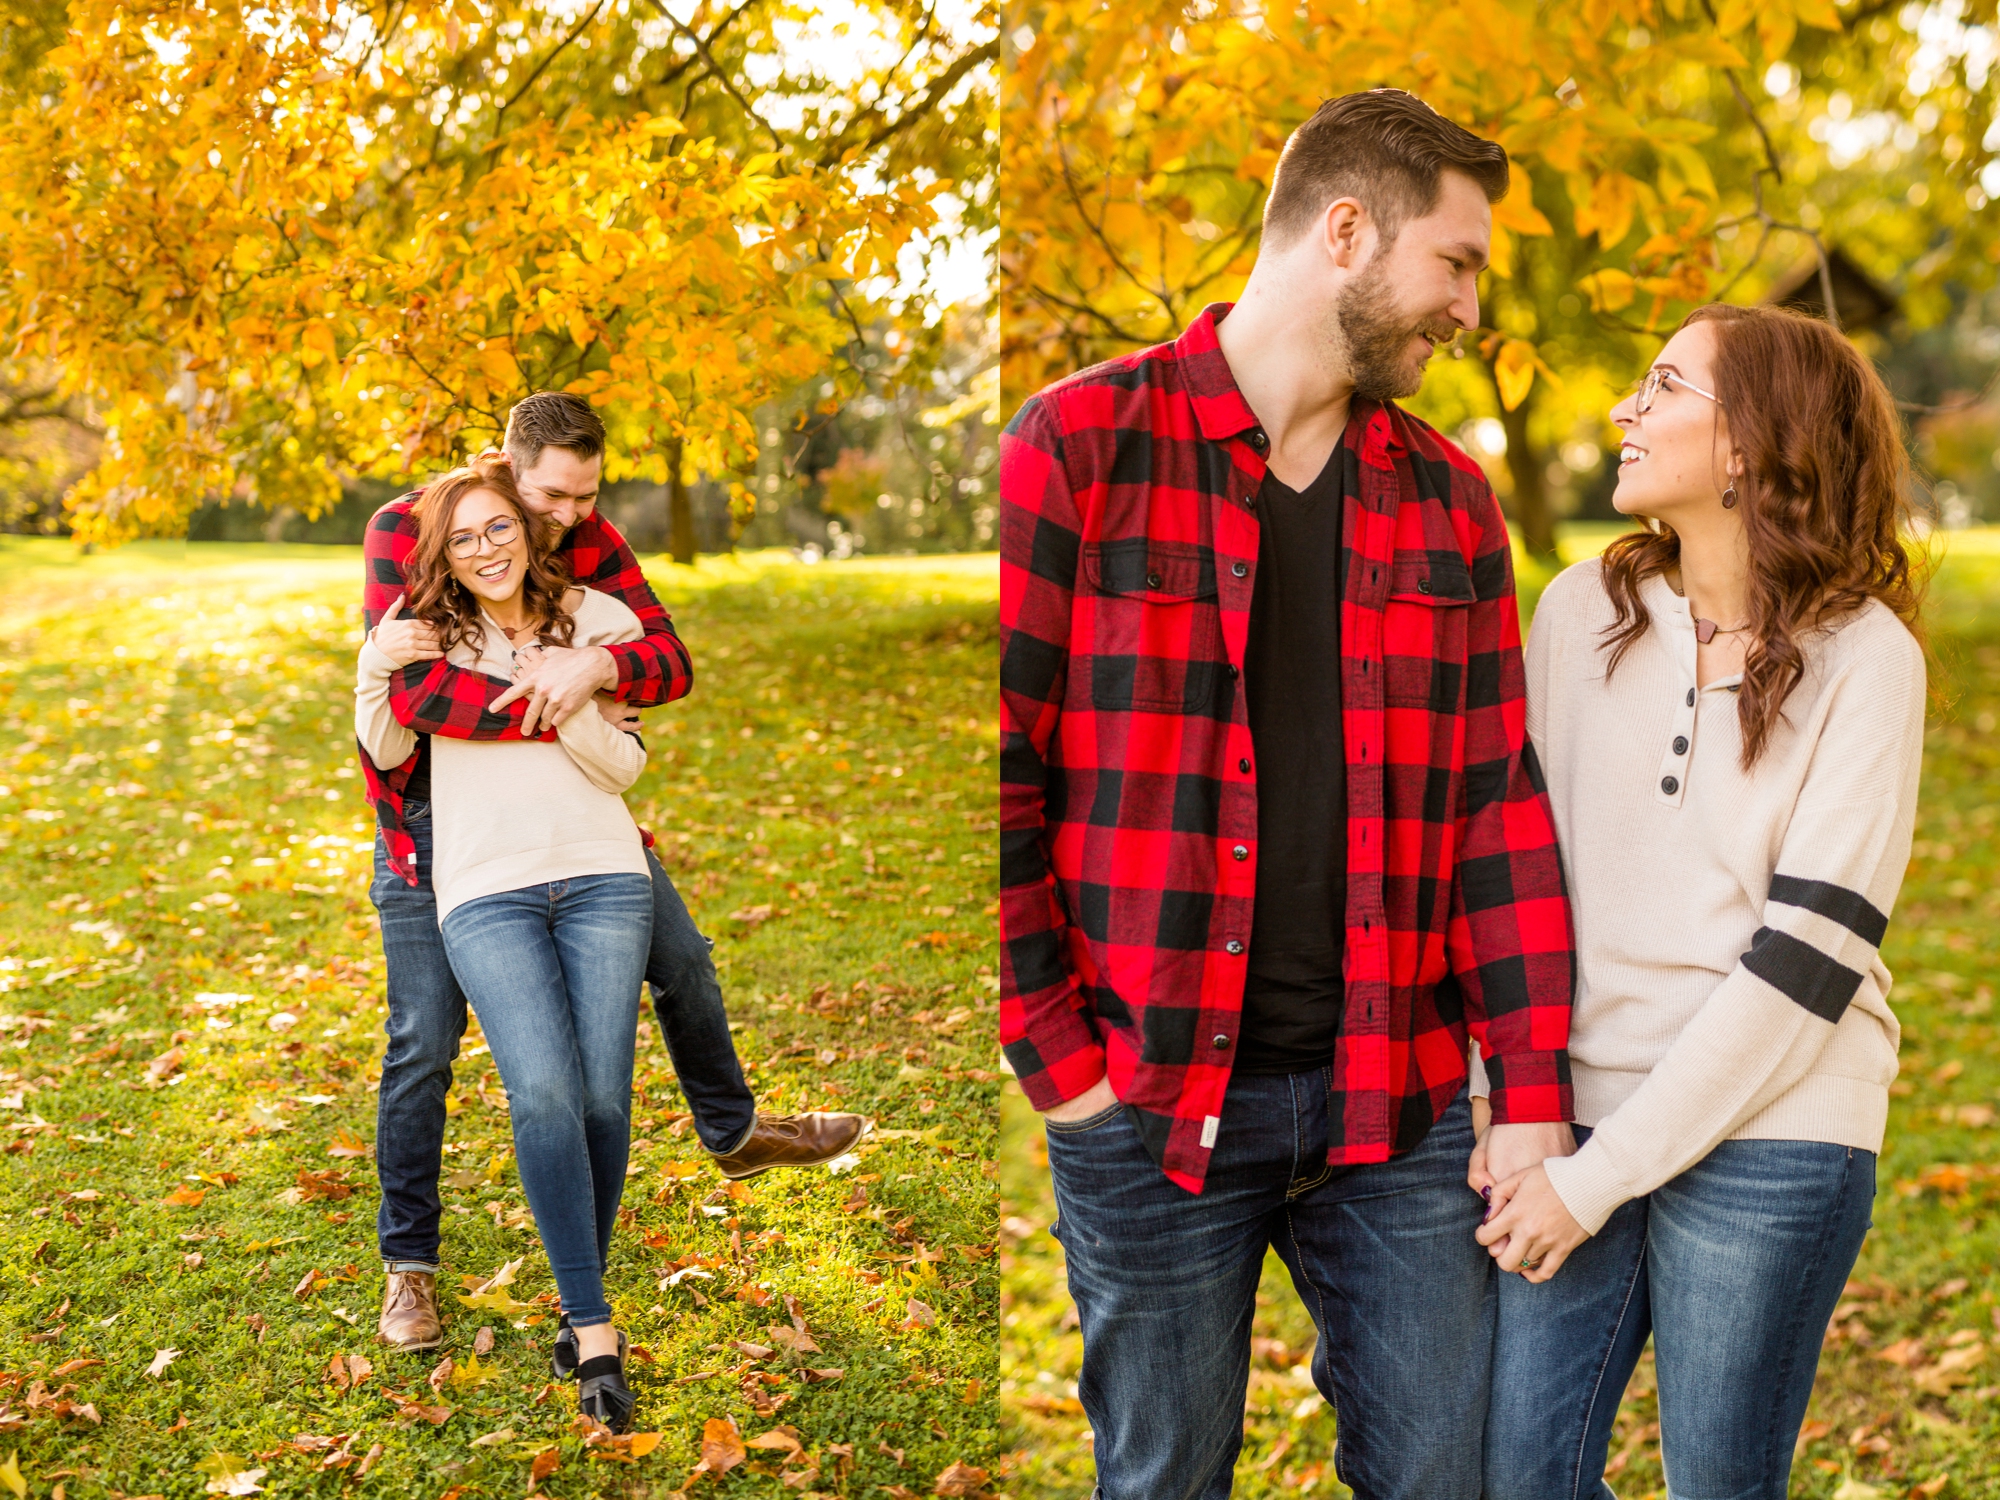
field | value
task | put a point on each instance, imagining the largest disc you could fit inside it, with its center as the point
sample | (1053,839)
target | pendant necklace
(1704,630)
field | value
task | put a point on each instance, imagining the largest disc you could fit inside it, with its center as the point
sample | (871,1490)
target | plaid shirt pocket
(1424,623)
(1155,637)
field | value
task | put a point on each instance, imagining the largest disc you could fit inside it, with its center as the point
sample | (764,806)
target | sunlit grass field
(192,989)
(1908,1401)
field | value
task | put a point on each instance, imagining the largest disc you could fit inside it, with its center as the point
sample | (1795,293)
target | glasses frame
(1649,389)
(485,533)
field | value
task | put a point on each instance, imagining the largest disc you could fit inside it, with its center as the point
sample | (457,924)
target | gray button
(1240,569)
(1221,1041)
(1243,766)
(1152,580)
(1232,946)
(1423,585)
(1690,697)
(1670,785)
(1258,440)
(1240,852)
(1680,744)
(1234,670)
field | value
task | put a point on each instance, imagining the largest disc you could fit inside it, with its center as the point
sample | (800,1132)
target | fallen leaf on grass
(473,1373)
(161,1359)
(721,1448)
(347,1143)
(408,1411)
(309,1283)
(919,1315)
(1854,1489)
(10,1475)
(161,1066)
(348,1370)
(482,1341)
(1931,1487)
(959,1479)
(792,1340)
(544,1465)
(815,1377)
(786,1438)
(1904,1352)
(328,1184)
(441,1373)
(76,1364)
(494,1439)
(184,1197)
(227,1476)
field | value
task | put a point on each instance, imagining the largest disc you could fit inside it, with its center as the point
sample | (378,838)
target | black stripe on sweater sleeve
(1836,903)
(1820,984)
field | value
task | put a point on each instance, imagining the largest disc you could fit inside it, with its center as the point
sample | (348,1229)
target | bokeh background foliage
(1667,153)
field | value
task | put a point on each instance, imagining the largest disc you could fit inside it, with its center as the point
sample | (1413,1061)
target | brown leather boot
(794,1141)
(410,1311)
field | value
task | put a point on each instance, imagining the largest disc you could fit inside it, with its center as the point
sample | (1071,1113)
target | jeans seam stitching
(1597,1386)
(1325,1330)
(1818,1259)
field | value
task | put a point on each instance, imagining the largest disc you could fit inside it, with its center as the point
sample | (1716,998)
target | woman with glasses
(542,892)
(1729,710)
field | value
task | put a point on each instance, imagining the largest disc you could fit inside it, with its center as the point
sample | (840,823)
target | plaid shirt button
(1221,1041)
(1232,946)
(1241,570)
(1258,440)
(1240,852)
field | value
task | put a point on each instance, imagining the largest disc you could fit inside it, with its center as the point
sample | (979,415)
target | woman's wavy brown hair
(1824,501)
(439,599)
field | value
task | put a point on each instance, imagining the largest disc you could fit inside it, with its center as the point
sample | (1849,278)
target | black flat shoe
(601,1391)
(563,1361)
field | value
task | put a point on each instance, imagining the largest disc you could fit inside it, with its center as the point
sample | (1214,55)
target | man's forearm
(438,698)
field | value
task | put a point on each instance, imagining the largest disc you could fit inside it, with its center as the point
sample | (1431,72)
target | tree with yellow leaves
(1667,152)
(273,245)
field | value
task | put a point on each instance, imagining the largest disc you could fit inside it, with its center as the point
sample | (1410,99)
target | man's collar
(1222,413)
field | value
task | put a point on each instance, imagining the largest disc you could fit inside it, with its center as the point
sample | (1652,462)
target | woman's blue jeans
(1734,1268)
(553,972)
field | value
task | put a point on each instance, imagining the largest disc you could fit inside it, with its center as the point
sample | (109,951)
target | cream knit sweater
(508,814)
(1729,986)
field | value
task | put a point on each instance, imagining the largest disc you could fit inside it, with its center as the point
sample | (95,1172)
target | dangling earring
(1729,498)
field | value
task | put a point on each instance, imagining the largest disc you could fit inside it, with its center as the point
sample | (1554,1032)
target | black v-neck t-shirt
(1293,998)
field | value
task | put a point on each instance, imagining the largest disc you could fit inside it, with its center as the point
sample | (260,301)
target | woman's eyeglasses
(499,532)
(1657,377)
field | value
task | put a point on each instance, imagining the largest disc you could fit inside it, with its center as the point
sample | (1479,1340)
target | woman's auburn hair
(1824,501)
(440,600)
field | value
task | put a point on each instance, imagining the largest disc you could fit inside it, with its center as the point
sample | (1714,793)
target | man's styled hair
(1386,148)
(552,419)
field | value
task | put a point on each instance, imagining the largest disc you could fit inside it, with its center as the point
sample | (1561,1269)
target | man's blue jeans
(1734,1268)
(554,972)
(1165,1285)
(427,1019)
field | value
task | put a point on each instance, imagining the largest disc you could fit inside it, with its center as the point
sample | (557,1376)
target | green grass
(180,818)
(1908,1399)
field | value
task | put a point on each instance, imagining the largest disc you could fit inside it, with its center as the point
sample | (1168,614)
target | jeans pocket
(1087,1124)
(416,812)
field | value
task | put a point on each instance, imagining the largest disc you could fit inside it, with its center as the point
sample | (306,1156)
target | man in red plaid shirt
(555,443)
(1273,838)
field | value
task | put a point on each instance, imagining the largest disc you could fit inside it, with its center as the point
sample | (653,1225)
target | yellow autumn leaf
(1608,289)
(1613,197)
(10,1475)
(1514,371)
(1818,13)
(1517,210)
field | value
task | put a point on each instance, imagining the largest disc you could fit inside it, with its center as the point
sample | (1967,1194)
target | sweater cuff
(375,662)
(1588,1184)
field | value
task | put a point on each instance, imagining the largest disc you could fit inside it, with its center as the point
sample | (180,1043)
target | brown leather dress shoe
(794,1141)
(410,1311)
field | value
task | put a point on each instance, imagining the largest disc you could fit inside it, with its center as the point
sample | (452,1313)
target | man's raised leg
(688,1000)
(426,1021)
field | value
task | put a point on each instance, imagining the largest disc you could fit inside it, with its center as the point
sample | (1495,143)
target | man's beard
(1378,334)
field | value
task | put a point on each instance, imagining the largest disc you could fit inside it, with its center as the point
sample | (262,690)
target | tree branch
(933,94)
(708,58)
(575,32)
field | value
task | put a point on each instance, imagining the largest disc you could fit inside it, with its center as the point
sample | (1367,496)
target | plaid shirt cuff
(1530,1088)
(1059,1059)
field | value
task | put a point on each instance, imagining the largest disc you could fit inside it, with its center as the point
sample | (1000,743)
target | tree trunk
(1531,484)
(680,509)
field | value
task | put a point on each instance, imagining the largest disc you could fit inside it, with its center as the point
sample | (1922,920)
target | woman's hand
(1528,1229)
(619,715)
(1476,1175)
(403,640)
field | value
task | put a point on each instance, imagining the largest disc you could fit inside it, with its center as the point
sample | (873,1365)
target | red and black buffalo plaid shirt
(1128,781)
(435,697)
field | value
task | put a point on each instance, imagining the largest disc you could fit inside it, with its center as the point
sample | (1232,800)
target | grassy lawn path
(192,991)
(1908,1400)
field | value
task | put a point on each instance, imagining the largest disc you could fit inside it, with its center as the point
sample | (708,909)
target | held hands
(557,681)
(1527,1222)
(404,640)
(1505,1158)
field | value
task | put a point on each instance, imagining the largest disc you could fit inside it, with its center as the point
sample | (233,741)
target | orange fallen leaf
(185,1197)
(1904,1352)
(920,1315)
(786,1438)
(814,1377)
(721,1446)
(347,1143)
(544,1465)
(482,1341)
(959,1479)
(76,1364)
